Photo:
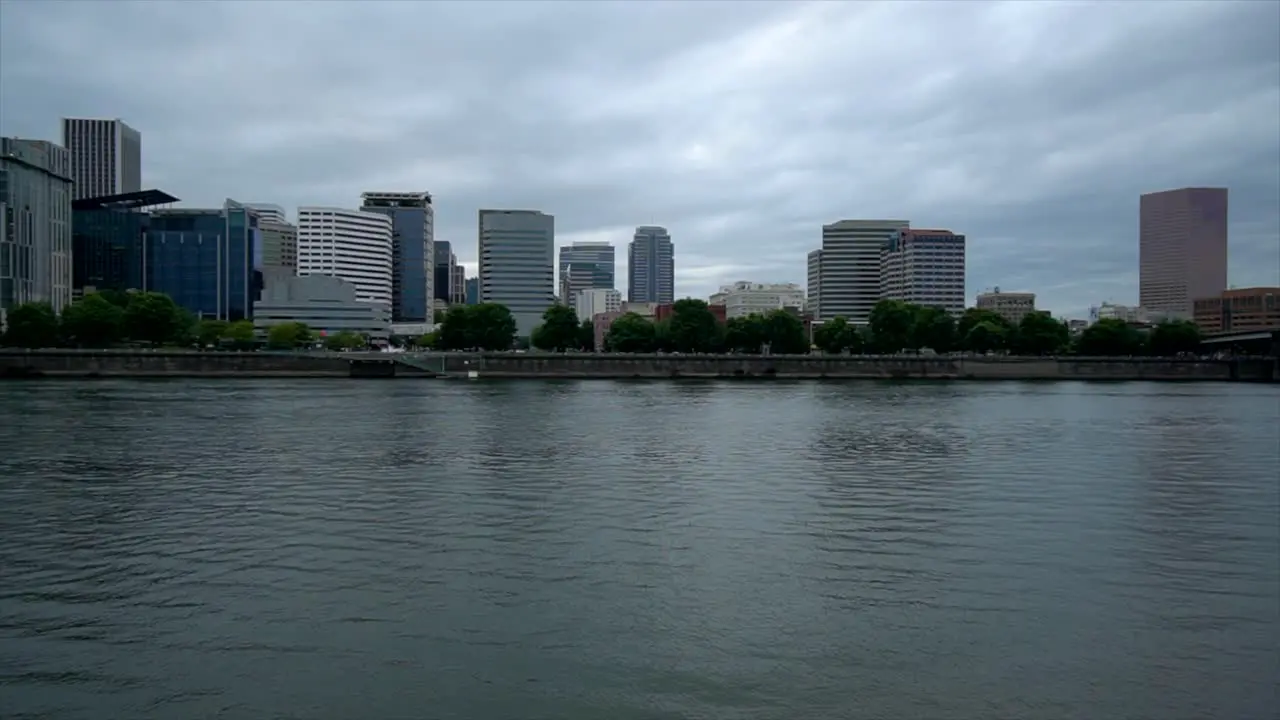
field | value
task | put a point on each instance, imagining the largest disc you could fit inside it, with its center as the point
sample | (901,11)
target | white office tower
(350,244)
(106,156)
(848,268)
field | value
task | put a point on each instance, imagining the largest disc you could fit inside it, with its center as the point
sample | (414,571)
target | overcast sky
(1031,127)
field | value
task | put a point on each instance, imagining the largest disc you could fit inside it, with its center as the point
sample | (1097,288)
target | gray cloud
(1030,126)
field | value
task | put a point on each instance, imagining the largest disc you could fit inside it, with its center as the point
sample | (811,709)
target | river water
(616,550)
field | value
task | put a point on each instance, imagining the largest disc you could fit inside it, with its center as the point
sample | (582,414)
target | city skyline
(1047,196)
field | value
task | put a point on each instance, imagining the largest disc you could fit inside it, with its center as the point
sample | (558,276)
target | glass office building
(208,261)
(107,237)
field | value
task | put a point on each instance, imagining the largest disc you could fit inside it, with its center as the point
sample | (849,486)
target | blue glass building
(108,234)
(413,262)
(208,261)
(473,290)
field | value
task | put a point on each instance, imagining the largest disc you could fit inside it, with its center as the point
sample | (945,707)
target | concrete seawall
(142,363)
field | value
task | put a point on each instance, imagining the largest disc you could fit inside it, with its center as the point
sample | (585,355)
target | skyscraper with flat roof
(585,266)
(848,268)
(106,156)
(924,267)
(413,265)
(1182,249)
(35,224)
(517,263)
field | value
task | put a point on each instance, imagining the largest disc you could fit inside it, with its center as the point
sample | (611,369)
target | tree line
(894,326)
(112,318)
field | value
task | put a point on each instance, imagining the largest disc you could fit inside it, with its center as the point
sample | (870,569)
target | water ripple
(322,549)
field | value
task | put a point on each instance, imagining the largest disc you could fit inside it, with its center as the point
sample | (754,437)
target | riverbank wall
(145,363)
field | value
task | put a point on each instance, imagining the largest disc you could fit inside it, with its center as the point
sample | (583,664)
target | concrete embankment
(141,363)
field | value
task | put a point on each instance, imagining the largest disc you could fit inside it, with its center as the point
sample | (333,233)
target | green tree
(744,334)
(986,337)
(487,326)
(31,325)
(152,317)
(587,335)
(429,341)
(973,316)
(559,330)
(240,335)
(1174,337)
(119,298)
(1111,337)
(456,332)
(836,336)
(289,335)
(693,328)
(345,340)
(630,334)
(492,324)
(933,328)
(209,332)
(891,322)
(784,333)
(93,321)
(1040,334)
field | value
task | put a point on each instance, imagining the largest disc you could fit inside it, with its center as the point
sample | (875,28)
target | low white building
(1127,313)
(326,304)
(747,298)
(593,301)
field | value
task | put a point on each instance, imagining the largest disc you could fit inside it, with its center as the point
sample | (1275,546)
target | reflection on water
(330,549)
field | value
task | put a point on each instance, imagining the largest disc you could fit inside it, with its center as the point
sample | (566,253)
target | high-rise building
(1012,306)
(924,267)
(204,260)
(279,247)
(1182,249)
(517,263)
(752,298)
(458,285)
(106,156)
(443,267)
(413,252)
(651,269)
(350,244)
(585,266)
(471,291)
(35,223)
(849,267)
(813,303)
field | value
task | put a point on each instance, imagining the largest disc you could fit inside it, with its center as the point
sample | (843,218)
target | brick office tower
(1182,249)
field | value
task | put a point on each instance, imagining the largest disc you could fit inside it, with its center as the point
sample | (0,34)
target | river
(624,550)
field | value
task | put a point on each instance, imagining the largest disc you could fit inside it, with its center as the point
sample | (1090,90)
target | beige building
(593,301)
(648,310)
(1012,306)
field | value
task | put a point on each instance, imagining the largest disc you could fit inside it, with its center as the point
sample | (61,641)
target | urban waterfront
(568,549)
